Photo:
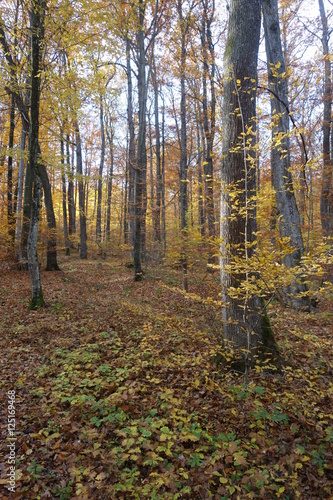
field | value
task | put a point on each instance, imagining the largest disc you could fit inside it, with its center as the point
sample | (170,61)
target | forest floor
(117,394)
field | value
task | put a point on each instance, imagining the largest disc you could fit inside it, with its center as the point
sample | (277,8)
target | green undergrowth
(129,403)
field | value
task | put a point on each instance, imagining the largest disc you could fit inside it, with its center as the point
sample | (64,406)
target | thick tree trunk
(37,35)
(100,177)
(246,327)
(83,226)
(326,198)
(287,211)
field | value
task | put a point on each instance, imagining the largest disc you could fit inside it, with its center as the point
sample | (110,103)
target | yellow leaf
(101,476)
(223,480)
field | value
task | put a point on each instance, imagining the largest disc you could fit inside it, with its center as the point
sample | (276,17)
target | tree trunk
(110,136)
(326,198)
(51,255)
(64,195)
(10,210)
(37,35)
(183,146)
(83,227)
(100,177)
(70,192)
(201,218)
(287,211)
(141,150)
(131,148)
(209,128)
(157,225)
(246,328)
(20,181)
(163,215)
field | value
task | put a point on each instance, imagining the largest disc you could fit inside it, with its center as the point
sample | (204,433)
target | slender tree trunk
(110,136)
(151,172)
(37,35)
(246,327)
(183,145)
(201,219)
(326,198)
(141,150)
(10,210)
(64,195)
(70,191)
(20,183)
(100,177)
(209,128)
(131,148)
(287,211)
(83,227)
(157,225)
(126,239)
(163,214)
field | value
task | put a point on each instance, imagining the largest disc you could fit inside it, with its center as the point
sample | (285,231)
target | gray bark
(208,117)
(37,35)
(70,192)
(157,218)
(64,195)
(110,136)
(246,327)
(10,210)
(131,147)
(183,146)
(100,177)
(326,198)
(286,207)
(20,181)
(83,226)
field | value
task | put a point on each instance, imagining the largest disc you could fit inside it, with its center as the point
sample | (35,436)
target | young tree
(246,327)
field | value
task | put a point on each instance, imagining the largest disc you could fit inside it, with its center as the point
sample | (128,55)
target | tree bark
(208,125)
(100,177)
(163,215)
(131,147)
(183,146)
(10,210)
(64,194)
(141,150)
(246,328)
(287,211)
(83,226)
(37,36)
(70,192)
(326,198)
(110,136)
(157,225)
